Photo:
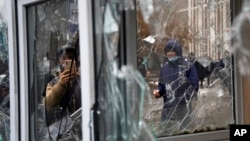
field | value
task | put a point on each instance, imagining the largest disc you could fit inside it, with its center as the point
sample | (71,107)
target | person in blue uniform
(178,83)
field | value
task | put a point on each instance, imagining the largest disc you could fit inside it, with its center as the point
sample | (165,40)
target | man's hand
(156,93)
(65,76)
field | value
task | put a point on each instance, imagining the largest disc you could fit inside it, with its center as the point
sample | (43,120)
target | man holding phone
(63,96)
(64,90)
(71,66)
(56,88)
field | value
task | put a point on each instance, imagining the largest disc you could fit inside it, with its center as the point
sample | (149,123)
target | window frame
(23,68)
(235,6)
(86,61)
(13,71)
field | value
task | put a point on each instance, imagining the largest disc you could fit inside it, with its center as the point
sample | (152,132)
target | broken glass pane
(52,47)
(121,88)
(200,28)
(240,35)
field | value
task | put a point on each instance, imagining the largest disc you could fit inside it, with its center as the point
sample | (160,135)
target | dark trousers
(172,115)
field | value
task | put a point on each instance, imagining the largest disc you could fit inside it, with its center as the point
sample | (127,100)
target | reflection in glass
(121,90)
(4,75)
(240,33)
(52,46)
(201,27)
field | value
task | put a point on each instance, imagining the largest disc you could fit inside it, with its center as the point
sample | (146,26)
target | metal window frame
(87,64)
(23,67)
(236,6)
(13,71)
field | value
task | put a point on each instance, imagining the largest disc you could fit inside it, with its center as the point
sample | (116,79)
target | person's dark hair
(68,52)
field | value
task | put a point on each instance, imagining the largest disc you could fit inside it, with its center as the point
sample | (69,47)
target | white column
(87,64)
(13,75)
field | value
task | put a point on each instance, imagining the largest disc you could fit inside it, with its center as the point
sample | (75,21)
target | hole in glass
(54,79)
(201,29)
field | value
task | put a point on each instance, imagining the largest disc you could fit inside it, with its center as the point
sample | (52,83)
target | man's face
(66,56)
(170,54)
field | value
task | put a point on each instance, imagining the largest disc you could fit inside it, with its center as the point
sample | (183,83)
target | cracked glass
(121,90)
(127,108)
(4,75)
(193,92)
(239,35)
(53,56)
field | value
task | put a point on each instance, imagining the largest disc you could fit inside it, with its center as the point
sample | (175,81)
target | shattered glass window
(4,75)
(53,65)
(120,88)
(198,31)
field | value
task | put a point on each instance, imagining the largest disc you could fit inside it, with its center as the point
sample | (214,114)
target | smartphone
(68,65)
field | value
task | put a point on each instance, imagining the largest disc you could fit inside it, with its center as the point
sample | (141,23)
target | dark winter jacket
(178,80)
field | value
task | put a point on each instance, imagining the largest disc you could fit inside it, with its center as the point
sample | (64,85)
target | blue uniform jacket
(177,82)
